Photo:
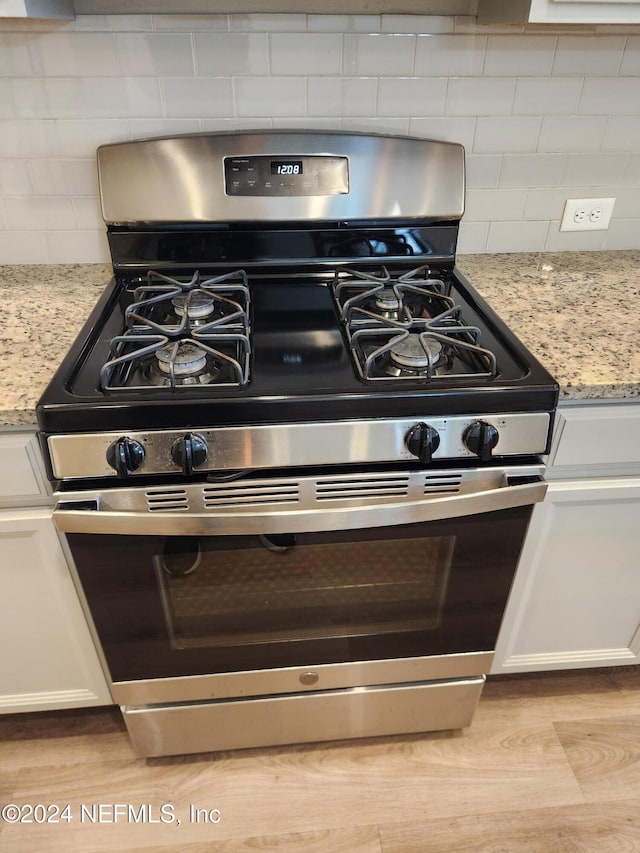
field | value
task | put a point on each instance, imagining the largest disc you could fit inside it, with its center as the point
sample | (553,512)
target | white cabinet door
(575,601)
(48,658)
(560,11)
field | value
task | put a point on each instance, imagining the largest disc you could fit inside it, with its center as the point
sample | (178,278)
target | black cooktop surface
(301,366)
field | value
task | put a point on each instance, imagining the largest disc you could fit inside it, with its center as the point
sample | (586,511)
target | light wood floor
(550,764)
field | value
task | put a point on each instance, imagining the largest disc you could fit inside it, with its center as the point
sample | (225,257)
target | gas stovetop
(288,299)
(256,347)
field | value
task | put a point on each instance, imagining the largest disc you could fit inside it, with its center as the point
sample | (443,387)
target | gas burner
(181,359)
(173,306)
(407,327)
(387,302)
(196,305)
(415,353)
(368,300)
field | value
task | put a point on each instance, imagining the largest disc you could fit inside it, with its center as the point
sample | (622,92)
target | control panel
(286,176)
(298,444)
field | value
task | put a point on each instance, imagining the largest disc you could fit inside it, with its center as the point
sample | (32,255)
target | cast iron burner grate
(183,335)
(407,328)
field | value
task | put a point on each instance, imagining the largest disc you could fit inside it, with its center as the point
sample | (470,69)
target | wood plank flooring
(550,763)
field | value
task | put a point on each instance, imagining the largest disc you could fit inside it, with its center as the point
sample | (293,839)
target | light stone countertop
(579,313)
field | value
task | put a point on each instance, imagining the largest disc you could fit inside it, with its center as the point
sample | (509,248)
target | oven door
(189,607)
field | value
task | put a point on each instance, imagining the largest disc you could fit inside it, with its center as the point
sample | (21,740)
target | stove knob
(481,438)
(126,456)
(422,440)
(189,451)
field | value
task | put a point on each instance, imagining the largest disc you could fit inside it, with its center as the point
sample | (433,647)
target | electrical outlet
(587,214)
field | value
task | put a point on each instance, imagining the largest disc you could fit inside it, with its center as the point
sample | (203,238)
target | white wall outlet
(587,214)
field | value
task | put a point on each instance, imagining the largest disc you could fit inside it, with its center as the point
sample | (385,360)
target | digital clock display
(286,167)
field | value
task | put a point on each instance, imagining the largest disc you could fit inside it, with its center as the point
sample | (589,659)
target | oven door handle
(87,517)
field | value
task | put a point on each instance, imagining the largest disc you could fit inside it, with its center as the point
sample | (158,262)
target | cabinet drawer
(22,478)
(592,436)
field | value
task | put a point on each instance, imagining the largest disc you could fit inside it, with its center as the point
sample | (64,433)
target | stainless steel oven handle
(72,518)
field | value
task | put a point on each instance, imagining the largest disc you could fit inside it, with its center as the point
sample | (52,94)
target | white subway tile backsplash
(23,247)
(343,23)
(472,237)
(190,97)
(622,134)
(623,234)
(632,172)
(516,236)
(7,103)
(547,203)
(64,177)
(232,124)
(271,96)
(448,129)
(113,23)
(268,23)
(411,96)
(376,125)
(497,205)
(588,55)
(595,169)
(305,53)
(191,23)
(143,128)
(80,247)
(18,56)
(513,56)
(295,123)
(339,96)
(77,54)
(482,170)
(614,95)
(231,54)
(449,55)
(379,55)
(416,24)
(573,241)
(571,133)
(547,95)
(508,134)
(88,213)
(531,170)
(28,139)
(81,137)
(96,97)
(154,54)
(480,96)
(544,115)
(38,213)
(631,57)
(14,178)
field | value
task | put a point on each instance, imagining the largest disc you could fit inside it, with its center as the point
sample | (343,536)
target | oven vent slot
(379,487)
(442,484)
(167,500)
(256,494)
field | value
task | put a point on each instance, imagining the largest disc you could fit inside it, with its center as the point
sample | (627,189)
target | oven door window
(271,589)
(172,606)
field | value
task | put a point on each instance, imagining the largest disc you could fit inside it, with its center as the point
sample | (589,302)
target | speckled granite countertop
(579,313)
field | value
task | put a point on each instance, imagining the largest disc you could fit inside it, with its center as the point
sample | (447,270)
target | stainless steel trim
(181,178)
(486,490)
(302,718)
(293,445)
(267,682)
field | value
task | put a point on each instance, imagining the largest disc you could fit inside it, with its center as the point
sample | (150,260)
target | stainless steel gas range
(295,453)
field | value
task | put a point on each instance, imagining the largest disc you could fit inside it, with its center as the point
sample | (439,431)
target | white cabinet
(575,601)
(559,11)
(36,9)
(49,659)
